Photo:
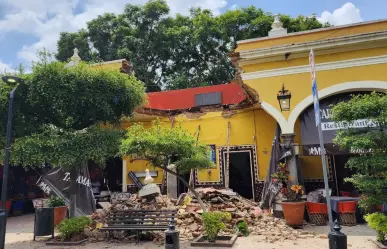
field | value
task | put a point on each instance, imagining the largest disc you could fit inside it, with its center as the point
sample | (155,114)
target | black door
(240,173)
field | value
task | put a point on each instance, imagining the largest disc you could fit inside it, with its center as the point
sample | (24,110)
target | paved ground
(19,236)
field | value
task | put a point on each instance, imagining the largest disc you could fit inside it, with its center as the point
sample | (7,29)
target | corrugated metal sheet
(203,99)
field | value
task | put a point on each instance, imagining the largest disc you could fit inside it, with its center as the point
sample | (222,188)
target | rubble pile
(189,221)
(190,224)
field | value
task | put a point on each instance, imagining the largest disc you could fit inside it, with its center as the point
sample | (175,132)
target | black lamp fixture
(284,97)
(12,80)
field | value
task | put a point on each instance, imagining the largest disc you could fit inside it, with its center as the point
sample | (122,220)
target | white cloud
(5,68)
(234,7)
(346,14)
(45,19)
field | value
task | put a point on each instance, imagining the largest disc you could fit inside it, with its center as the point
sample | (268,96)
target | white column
(124,176)
(172,183)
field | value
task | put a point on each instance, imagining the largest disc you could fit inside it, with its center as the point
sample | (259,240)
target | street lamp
(14,82)
(283,97)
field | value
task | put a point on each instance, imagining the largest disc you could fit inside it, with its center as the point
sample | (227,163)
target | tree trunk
(196,194)
(73,191)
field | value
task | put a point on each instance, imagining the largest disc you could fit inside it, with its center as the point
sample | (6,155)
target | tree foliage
(159,144)
(174,52)
(66,116)
(370,166)
(378,222)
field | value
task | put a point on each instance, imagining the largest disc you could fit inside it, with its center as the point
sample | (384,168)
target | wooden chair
(318,213)
(347,213)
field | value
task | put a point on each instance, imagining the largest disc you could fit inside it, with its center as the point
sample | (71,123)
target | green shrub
(56,201)
(242,228)
(378,222)
(73,226)
(214,223)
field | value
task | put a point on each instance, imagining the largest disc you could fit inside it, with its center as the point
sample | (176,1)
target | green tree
(370,165)
(67,116)
(176,52)
(159,145)
(68,41)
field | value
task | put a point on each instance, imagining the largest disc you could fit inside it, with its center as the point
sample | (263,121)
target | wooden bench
(140,220)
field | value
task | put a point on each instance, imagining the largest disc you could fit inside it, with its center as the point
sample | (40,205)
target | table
(336,199)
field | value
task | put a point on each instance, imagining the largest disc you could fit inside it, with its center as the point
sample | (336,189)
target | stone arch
(277,115)
(332,90)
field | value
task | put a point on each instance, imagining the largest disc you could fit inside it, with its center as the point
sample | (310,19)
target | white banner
(360,123)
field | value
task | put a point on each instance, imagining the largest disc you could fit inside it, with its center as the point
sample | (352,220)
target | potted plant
(293,207)
(60,209)
(214,222)
(242,228)
(378,222)
(72,231)
(280,181)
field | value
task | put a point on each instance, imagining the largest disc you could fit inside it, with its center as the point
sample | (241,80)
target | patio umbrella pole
(334,168)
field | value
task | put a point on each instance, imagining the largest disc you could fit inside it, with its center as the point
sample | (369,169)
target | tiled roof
(185,98)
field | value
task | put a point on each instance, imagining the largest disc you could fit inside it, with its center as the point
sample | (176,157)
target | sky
(28,25)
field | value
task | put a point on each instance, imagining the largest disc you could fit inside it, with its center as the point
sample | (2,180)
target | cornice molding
(319,67)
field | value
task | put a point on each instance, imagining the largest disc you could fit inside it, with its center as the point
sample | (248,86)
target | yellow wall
(248,127)
(311,167)
(313,36)
(300,84)
(115,65)
(364,53)
(265,127)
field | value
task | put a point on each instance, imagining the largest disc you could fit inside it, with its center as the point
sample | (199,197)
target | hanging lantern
(283,97)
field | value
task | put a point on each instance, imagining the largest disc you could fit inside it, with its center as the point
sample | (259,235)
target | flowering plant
(295,193)
(282,174)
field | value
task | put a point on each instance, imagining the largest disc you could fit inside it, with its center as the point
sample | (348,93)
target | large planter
(294,213)
(60,214)
(221,241)
(44,222)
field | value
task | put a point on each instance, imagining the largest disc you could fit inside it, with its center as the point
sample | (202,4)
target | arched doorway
(336,156)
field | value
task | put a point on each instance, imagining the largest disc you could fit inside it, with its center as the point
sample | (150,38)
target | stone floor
(20,229)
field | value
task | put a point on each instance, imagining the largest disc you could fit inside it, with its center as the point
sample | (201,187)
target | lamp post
(283,97)
(14,82)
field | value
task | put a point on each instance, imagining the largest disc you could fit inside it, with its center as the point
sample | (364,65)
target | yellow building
(348,59)
(240,131)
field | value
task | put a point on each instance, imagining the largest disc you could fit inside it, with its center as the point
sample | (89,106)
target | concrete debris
(189,220)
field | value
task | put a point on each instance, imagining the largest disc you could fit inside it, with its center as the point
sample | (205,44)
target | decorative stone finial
(277,24)
(74,60)
(75,56)
(148,178)
(277,27)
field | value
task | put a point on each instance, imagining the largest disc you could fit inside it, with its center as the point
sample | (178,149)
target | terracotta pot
(294,212)
(60,214)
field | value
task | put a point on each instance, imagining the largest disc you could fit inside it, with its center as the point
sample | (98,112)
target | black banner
(57,182)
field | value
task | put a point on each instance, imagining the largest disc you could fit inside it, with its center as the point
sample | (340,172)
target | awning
(309,133)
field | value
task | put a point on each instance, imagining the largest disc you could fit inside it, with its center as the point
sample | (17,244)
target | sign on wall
(212,153)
